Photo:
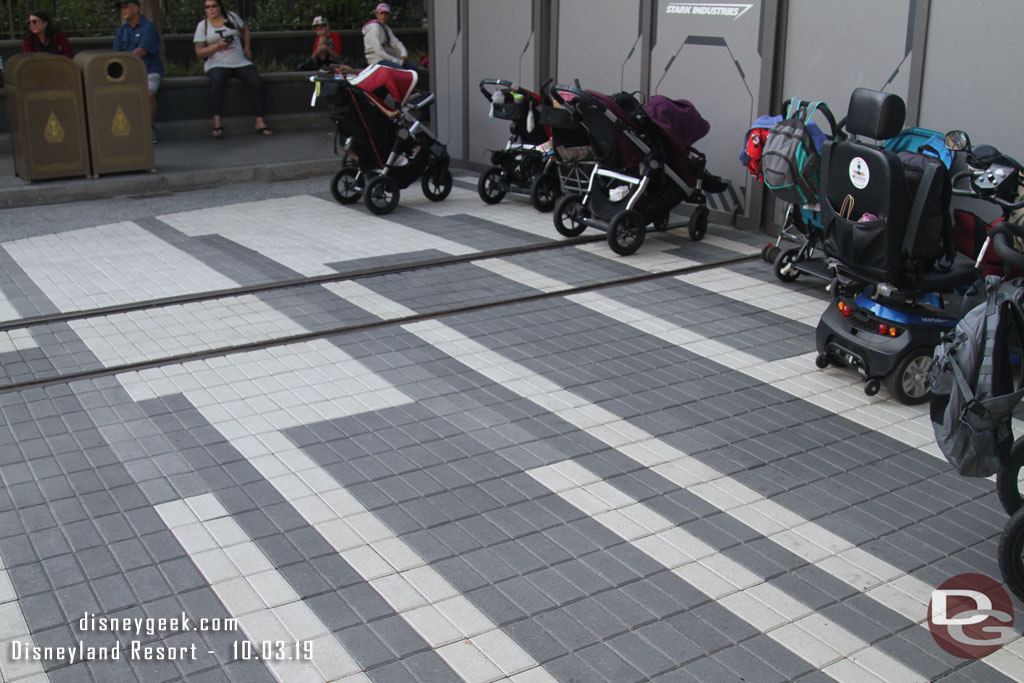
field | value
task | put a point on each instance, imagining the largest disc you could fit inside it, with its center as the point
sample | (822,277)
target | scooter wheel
(822,361)
(910,381)
(784,269)
(872,386)
(1009,481)
(1011,549)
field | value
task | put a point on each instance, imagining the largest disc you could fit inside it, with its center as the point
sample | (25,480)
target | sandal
(265,131)
(218,132)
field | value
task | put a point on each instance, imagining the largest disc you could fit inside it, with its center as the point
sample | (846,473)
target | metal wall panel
(709,53)
(502,42)
(834,46)
(447,25)
(970,71)
(601,44)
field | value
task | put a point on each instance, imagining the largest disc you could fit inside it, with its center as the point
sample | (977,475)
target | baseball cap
(383,7)
(319,21)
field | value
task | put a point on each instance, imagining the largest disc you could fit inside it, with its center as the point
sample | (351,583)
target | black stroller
(645,167)
(521,162)
(386,148)
(569,161)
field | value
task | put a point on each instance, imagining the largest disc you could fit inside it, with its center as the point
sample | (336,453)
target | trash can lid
(36,70)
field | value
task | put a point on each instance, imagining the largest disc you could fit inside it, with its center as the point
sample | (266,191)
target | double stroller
(547,153)
(645,167)
(386,148)
(888,230)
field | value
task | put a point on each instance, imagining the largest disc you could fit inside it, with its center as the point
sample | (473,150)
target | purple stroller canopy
(679,119)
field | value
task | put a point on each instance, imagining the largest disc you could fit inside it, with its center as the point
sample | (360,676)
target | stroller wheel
(822,361)
(382,195)
(1011,549)
(569,215)
(784,269)
(347,185)
(1008,481)
(491,187)
(871,387)
(661,222)
(910,382)
(437,182)
(699,224)
(544,191)
(626,232)
(772,254)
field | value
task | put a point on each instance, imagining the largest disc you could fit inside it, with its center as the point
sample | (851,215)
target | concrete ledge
(72,190)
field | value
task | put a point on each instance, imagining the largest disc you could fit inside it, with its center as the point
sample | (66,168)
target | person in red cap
(326,46)
(380,44)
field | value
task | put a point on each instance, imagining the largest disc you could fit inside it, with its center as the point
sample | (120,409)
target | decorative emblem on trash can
(120,126)
(54,132)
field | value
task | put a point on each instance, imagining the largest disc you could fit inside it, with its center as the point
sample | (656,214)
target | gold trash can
(117,111)
(46,116)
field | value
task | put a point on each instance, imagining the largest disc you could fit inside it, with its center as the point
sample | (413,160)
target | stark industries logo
(971,616)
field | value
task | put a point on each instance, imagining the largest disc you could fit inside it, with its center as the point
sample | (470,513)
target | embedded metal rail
(171,359)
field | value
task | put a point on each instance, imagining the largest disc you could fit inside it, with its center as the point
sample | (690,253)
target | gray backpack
(791,160)
(977,381)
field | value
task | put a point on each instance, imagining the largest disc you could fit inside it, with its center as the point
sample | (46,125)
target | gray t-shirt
(234,56)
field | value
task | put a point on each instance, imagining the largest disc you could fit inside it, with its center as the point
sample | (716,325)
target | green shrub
(99,18)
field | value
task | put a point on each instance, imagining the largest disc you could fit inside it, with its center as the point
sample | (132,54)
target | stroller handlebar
(497,83)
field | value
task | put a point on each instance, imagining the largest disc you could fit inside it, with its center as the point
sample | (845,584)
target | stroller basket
(557,117)
(511,111)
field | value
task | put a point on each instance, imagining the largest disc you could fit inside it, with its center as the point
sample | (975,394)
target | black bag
(936,219)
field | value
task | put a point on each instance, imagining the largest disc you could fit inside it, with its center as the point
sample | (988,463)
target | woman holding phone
(222,40)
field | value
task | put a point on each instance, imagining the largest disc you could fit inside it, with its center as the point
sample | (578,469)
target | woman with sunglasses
(43,36)
(222,40)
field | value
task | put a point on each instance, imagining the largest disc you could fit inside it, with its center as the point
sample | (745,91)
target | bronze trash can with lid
(117,111)
(46,116)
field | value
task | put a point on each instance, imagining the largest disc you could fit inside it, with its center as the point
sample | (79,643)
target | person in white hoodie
(380,44)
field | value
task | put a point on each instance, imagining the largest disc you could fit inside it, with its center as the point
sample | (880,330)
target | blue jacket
(143,35)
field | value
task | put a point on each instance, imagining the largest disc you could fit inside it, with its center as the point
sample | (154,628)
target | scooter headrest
(874,114)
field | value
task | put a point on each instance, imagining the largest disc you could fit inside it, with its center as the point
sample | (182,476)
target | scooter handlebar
(1002,236)
(973,191)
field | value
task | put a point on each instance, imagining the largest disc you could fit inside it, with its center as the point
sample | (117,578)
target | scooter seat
(962,274)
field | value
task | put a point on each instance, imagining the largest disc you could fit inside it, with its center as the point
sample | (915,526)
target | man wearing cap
(327,45)
(380,44)
(138,35)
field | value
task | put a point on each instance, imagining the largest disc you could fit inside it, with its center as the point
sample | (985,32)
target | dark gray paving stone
(613,667)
